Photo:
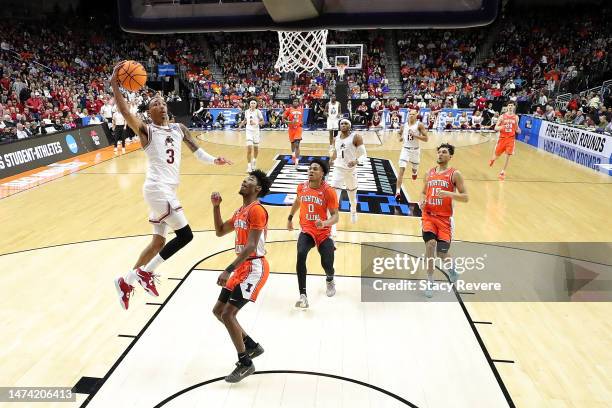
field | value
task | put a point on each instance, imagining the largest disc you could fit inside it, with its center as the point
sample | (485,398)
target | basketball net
(302,51)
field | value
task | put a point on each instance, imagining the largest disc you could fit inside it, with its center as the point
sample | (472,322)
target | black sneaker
(240,372)
(255,352)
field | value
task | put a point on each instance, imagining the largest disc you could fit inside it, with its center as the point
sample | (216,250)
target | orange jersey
(314,204)
(294,114)
(434,204)
(252,217)
(509,124)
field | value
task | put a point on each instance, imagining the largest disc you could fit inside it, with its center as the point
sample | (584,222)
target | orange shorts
(318,235)
(505,145)
(441,226)
(295,134)
(251,276)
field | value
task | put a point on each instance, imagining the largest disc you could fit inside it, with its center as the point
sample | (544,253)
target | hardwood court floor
(64,241)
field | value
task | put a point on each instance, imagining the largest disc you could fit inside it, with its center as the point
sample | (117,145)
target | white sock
(131,277)
(153,263)
(353,200)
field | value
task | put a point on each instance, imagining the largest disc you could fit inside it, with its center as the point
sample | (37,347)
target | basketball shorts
(165,210)
(342,177)
(505,145)
(440,226)
(248,279)
(295,134)
(412,155)
(252,137)
(318,235)
(333,123)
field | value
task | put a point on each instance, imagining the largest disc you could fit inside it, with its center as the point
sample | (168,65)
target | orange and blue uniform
(437,215)
(252,274)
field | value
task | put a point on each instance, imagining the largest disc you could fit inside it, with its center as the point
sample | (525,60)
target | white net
(302,51)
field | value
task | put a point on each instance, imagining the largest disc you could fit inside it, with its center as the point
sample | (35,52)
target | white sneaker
(331,288)
(302,303)
(354,217)
(249,169)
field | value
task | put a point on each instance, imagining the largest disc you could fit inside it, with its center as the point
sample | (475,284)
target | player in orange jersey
(243,279)
(315,198)
(295,115)
(443,185)
(508,127)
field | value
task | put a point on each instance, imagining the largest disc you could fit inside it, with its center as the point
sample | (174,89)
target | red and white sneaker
(125,292)
(147,281)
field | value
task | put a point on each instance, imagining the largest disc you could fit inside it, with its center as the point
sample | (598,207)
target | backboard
(170,16)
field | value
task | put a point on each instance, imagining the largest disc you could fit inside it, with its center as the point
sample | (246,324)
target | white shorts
(252,137)
(165,209)
(342,177)
(333,124)
(410,155)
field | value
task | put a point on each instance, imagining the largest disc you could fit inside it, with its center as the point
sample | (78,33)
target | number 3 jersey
(314,204)
(163,154)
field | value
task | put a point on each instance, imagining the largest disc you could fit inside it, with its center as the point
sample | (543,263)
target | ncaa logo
(72,144)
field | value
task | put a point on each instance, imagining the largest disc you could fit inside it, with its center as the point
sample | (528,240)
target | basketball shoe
(125,292)
(147,281)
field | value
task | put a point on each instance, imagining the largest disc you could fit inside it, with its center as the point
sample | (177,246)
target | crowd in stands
(54,76)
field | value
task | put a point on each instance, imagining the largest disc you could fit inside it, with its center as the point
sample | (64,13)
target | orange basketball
(132,76)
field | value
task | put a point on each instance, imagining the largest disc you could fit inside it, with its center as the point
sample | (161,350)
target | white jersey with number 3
(164,154)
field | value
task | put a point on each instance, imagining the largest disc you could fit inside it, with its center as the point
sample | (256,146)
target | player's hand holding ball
(215,199)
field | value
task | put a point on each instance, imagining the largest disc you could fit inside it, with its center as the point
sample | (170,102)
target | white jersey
(346,151)
(409,135)
(164,154)
(118,119)
(333,110)
(253,119)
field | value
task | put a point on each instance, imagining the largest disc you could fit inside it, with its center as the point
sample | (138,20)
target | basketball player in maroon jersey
(443,185)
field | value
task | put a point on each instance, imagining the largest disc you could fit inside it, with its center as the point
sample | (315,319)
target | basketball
(132,76)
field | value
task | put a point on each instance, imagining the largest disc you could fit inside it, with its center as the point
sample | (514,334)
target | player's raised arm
(133,121)
(221,228)
(200,153)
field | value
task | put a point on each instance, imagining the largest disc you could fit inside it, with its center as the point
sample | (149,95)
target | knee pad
(184,234)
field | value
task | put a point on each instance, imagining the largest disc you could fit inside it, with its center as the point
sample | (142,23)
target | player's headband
(346,120)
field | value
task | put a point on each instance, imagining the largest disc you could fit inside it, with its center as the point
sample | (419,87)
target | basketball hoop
(302,51)
(341,69)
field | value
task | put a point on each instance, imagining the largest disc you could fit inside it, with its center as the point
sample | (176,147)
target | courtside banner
(590,149)
(425,112)
(530,130)
(230,114)
(28,154)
